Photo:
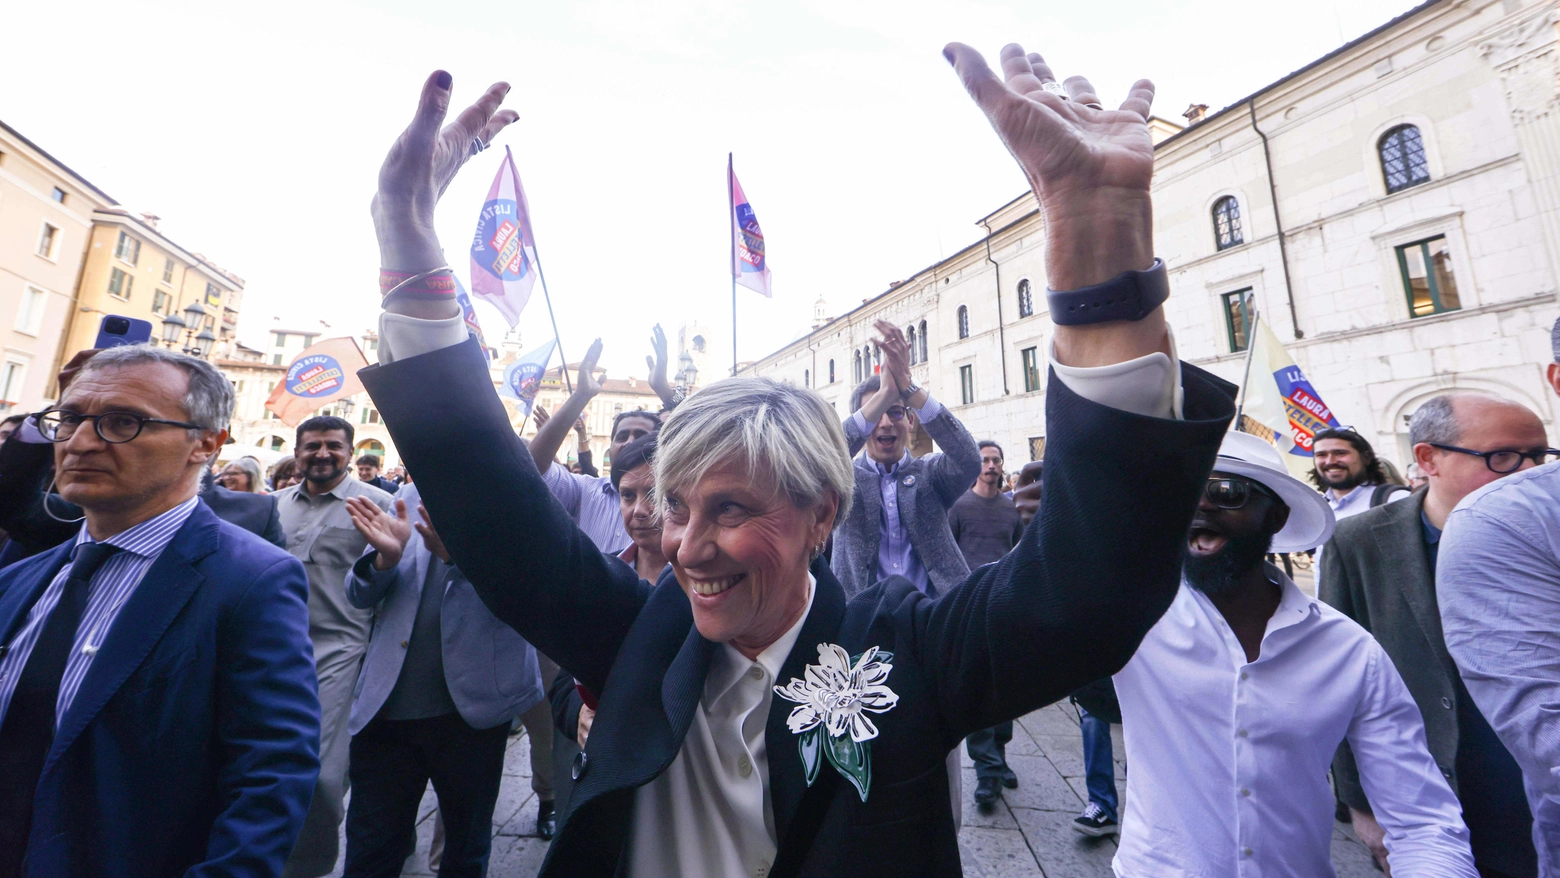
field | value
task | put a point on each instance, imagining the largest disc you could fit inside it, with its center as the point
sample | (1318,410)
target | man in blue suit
(158,713)
(441,682)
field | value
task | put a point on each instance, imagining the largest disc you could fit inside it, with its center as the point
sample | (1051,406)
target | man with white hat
(1238,697)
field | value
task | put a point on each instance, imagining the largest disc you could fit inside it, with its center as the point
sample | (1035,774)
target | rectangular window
(1238,308)
(1428,281)
(159,302)
(119,283)
(46,241)
(58,195)
(29,317)
(168,271)
(11,377)
(128,248)
(967,384)
(276,360)
(1031,369)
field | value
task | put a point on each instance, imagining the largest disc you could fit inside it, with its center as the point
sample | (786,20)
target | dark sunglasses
(1232,493)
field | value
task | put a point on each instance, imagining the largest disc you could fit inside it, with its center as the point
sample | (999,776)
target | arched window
(857,369)
(831,371)
(1026,299)
(1226,223)
(876,359)
(923,342)
(1403,158)
(806,378)
(964,322)
(914,354)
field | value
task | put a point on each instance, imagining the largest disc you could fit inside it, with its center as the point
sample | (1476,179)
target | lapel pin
(909,480)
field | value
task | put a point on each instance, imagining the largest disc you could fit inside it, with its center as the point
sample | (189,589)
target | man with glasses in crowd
(1236,701)
(157,695)
(1498,587)
(320,533)
(1380,571)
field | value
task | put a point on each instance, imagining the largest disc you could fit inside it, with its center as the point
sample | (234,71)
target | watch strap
(1131,295)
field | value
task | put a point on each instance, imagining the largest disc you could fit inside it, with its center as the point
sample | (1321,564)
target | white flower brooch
(835,696)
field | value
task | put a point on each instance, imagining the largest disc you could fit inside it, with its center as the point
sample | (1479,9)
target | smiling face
(636,499)
(234,478)
(159,467)
(1223,544)
(627,430)
(889,439)
(740,550)
(322,457)
(367,472)
(1339,464)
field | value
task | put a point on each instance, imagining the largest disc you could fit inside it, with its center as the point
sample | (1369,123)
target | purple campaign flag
(524,377)
(503,250)
(749,267)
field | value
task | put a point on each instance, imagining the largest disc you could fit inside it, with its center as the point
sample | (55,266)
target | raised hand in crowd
(420,164)
(551,432)
(1090,168)
(658,366)
(896,360)
(429,535)
(540,416)
(385,532)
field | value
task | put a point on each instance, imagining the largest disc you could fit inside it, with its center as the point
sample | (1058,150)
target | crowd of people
(755,645)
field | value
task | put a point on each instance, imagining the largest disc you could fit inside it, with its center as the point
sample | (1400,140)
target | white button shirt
(1228,759)
(721,774)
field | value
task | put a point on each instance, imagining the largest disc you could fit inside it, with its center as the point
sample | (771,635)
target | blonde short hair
(790,433)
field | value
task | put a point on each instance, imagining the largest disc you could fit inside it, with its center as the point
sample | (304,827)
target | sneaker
(1094,822)
(546,821)
(1009,779)
(987,791)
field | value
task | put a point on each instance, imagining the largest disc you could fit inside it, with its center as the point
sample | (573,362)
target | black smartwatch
(1131,295)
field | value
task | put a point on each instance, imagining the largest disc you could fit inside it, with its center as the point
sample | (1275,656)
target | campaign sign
(1308,415)
(750,243)
(498,246)
(524,379)
(314,376)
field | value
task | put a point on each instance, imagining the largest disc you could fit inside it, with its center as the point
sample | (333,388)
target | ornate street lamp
(347,405)
(203,343)
(172,325)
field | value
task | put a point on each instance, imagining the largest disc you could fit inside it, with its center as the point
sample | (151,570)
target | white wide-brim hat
(1310,518)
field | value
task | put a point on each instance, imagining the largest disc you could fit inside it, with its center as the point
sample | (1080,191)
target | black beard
(1347,483)
(1219,574)
(320,480)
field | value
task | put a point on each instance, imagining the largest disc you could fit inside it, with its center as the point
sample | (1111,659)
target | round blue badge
(498,247)
(314,376)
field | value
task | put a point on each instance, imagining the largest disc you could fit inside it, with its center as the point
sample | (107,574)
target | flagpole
(731,214)
(542,276)
(1251,347)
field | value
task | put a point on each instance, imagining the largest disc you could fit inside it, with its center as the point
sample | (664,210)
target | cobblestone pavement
(1029,833)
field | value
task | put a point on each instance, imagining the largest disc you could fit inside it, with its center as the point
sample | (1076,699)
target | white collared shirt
(1228,759)
(721,774)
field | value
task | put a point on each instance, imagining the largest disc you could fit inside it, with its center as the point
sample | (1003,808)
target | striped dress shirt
(593,504)
(111,588)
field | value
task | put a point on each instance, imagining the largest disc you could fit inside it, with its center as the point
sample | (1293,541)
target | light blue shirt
(896,556)
(111,587)
(1498,586)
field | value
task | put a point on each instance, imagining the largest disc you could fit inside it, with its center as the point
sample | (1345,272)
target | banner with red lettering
(322,374)
(1286,409)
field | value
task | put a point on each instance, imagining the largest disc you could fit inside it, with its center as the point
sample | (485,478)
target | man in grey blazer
(440,684)
(1379,569)
(898,522)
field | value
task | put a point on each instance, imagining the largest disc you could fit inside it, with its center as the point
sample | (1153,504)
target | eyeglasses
(1233,493)
(113,427)
(896,413)
(1503,461)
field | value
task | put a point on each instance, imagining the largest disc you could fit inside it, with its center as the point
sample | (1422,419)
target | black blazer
(1092,574)
(257,513)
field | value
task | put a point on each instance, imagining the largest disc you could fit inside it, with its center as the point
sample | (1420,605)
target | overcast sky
(256,130)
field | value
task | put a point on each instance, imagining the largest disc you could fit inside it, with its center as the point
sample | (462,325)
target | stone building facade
(1392,211)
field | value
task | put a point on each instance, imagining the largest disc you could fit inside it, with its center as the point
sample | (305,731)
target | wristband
(1131,295)
(436,284)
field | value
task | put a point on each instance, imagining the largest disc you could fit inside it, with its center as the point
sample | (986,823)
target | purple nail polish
(443,81)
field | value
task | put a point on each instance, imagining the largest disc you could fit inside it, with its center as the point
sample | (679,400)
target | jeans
(392,763)
(1099,767)
(988,749)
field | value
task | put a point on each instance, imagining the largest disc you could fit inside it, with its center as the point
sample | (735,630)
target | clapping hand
(658,365)
(896,352)
(385,532)
(588,385)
